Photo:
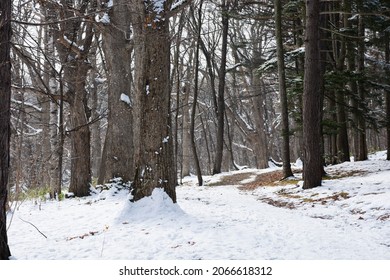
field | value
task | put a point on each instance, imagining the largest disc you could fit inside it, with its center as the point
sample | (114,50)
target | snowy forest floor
(245,214)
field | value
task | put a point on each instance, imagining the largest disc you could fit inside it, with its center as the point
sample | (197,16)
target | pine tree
(312,99)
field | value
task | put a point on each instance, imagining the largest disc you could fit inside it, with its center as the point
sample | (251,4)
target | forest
(147,93)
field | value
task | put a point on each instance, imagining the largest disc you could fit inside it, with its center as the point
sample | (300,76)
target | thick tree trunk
(80,142)
(79,134)
(312,96)
(258,138)
(287,172)
(5,115)
(154,158)
(117,158)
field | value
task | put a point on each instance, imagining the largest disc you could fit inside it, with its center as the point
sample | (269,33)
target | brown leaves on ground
(287,197)
(233,179)
(278,203)
(384,217)
(272,178)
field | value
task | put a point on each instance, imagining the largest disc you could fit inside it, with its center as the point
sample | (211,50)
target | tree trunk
(73,49)
(387,93)
(117,158)
(333,149)
(154,158)
(46,112)
(96,142)
(312,95)
(340,50)
(287,172)
(342,136)
(363,153)
(258,138)
(195,101)
(351,67)
(186,138)
(5,115)
(80,140)
(221,91)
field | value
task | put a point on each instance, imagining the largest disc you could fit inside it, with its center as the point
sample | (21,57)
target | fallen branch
(91,233)
(34,227)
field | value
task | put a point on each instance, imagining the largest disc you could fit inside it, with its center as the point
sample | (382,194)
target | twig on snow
(34,227)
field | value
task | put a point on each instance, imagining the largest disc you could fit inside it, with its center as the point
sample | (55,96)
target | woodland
(149,92)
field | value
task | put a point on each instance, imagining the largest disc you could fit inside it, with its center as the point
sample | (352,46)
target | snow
(165,140)
(354,17)
(125,98)
(157,5)
(147,90)
(177,4)
(100,80)
(105,19)
(346,218)
(28,104)
(70,42)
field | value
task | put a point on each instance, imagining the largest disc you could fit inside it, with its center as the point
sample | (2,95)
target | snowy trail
(219,222)
(262,231)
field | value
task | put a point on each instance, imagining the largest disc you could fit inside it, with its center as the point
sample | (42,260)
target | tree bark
(287,172)
(342,137)
(387,92)
(96,142)
(312,96)
(80,139)
(258,138)
(75,74)
(117,159)
(363,153)
(186,138)
(5,119)
(195,101)
(73,49)
(343,153)
(154,158)
(221,91)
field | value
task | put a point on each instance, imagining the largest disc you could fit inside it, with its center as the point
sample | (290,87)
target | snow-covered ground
(346,218)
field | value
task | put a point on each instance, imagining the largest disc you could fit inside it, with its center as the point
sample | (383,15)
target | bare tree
(387,93)
(195,101)
(282,90)
(73,41)
(221,89)
(118,153)
(5,103)
(154,155)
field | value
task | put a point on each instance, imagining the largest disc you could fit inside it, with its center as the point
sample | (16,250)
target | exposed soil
(234,179)
(273,178)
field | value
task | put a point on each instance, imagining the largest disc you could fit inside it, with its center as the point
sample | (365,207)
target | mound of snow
(157,206)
